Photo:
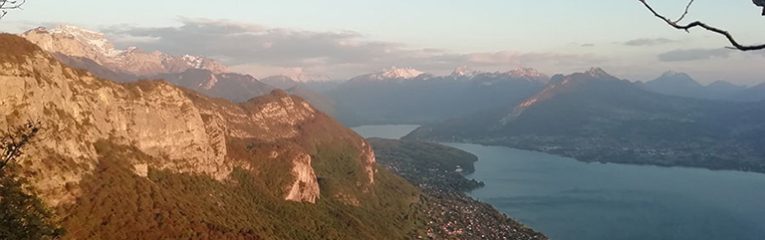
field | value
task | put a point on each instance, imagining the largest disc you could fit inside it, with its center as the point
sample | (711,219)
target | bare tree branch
(675,24)
(12,142)
(6,5)
(687,7)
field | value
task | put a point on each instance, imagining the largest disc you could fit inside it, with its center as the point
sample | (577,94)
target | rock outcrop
(181,131)
(306,187)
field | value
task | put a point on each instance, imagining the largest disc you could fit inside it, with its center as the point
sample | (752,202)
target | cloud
(648,42)
(340,54)
(681,55)
(244,43)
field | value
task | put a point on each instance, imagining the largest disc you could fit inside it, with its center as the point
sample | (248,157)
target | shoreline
(451,211)
(574,158)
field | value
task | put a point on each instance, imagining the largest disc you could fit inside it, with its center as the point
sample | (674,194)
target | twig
(688,7)
(14,141)
(6,4)
(736,44)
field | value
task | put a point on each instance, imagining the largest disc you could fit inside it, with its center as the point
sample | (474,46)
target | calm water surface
(385,131)
(568,199)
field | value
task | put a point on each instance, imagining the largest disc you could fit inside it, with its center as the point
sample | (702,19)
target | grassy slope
(117,204)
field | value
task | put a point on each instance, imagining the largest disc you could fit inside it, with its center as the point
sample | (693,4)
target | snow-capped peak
(392,73)
(80,42)
(193,61)
(94,39)
(73,30)
(527,73)
(464,71)
(401,73)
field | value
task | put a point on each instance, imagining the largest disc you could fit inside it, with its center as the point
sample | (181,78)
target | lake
(568,199)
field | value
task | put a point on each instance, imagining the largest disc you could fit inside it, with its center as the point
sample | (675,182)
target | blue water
(385,131)
(568,199)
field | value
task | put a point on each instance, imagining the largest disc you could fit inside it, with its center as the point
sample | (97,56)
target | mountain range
(82,43)
(594,116)
(92,51)
(410,96)
(395,95)
(682,84)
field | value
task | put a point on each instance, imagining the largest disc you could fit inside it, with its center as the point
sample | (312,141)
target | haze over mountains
(594,116)
(470,104)
(410,96)
(681,84)
(395,95)
(398,95)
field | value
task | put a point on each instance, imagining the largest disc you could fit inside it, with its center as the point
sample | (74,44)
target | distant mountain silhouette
(681,84)
(594,116)
(755,93)
(414,97)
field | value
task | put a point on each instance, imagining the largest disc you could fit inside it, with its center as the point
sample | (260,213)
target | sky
(339,39)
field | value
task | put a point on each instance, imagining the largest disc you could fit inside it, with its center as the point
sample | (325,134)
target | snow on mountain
(193,61)
(79,42)
(210,82)
(400,73)
(392,73)
(489,78)
(528,73)
(94,39)
(464,71)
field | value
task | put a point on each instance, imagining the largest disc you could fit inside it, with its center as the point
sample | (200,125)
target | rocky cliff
(100,137)
(185,132)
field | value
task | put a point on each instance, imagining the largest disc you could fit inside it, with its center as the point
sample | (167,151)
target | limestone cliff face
(368,160)
(306,187)
(182,131)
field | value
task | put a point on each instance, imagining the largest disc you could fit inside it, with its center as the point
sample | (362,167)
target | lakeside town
(439,171)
